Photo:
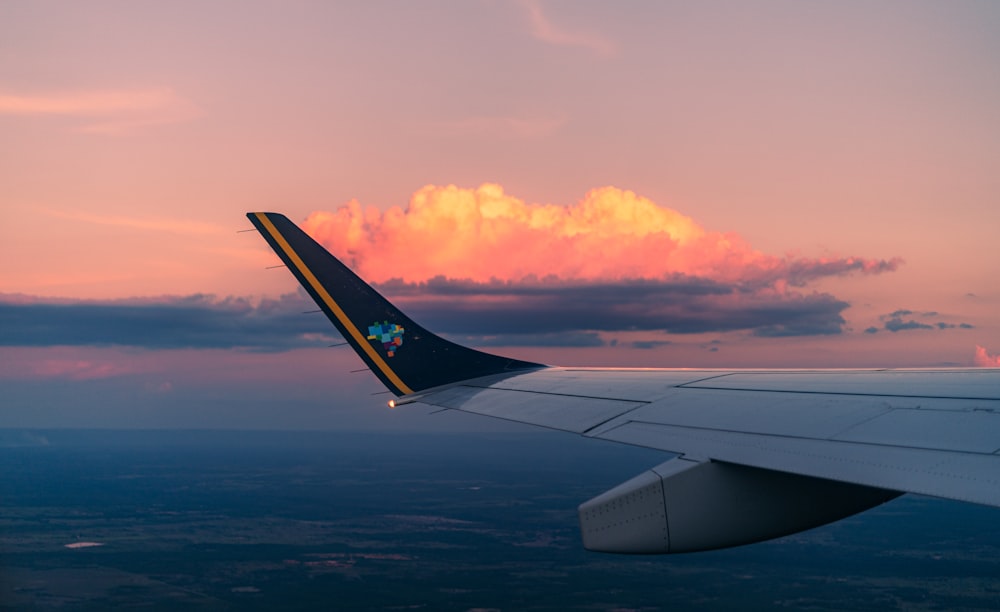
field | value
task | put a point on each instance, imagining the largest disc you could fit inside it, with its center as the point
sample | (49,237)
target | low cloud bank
(195,321)
(680,306)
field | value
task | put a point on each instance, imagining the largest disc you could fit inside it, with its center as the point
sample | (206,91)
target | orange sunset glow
(484,233)
(661,184)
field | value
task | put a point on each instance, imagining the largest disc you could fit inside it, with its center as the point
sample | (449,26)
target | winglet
(403,355)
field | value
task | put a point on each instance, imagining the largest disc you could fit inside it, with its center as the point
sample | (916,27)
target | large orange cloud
(611,234)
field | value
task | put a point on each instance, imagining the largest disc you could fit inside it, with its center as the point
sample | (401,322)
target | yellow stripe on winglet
(331,304)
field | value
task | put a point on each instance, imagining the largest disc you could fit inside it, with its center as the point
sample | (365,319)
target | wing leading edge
(764,453)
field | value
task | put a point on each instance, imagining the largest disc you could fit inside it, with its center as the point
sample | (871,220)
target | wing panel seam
(595,397)
(845,460)
(806,438)
(944,397)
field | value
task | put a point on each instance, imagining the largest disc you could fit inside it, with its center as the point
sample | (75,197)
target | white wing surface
(935,432)
(762,453)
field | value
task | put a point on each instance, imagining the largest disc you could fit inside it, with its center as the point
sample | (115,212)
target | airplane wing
(762,453)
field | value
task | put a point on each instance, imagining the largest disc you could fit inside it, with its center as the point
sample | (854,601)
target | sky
(655,184)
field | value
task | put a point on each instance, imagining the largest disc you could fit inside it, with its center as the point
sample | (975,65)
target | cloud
(985,359)
(894,322)
(111,111)
(520,274)
(544,30)
(651,344)
(196,321)
(680,305)
(613,261)
(611,234)
(486,314)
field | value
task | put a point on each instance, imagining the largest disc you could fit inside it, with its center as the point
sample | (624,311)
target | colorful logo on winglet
(389,334)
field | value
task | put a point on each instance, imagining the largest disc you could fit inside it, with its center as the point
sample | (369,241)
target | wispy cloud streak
(112,111)
(545,31)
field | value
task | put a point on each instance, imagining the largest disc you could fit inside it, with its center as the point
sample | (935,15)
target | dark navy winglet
(406,357)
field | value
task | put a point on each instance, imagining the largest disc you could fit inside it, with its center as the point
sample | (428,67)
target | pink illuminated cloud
(611,234)
(985,359)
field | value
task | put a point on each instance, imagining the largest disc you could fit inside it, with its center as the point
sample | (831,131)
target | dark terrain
(360,520)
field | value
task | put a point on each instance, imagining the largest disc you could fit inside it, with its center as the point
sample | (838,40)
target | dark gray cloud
(681,305)
(536,312)
(894,322)
(897,324)
(713,346)
(649,344)
(196,321)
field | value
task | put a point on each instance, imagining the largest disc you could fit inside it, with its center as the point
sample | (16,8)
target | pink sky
(725,141)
